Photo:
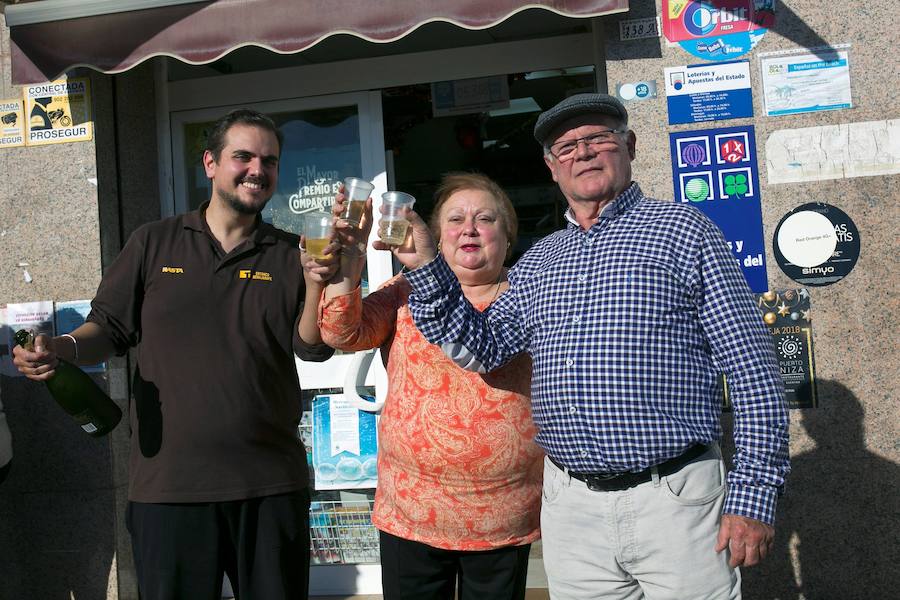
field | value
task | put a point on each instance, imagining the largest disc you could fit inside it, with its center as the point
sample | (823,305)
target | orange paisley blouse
(458,467)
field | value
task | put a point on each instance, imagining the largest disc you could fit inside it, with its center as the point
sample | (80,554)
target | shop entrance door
(327,138)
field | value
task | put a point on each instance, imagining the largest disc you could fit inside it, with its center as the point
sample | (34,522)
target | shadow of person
(58,505)
(836,529)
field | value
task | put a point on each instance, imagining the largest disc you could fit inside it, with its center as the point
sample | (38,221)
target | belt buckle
(594,482)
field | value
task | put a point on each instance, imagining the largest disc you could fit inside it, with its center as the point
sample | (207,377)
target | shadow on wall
(836,529)
(57,505)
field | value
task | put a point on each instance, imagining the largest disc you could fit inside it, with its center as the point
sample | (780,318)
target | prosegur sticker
(816,244)
(58,112)
(12,125)
(717,29)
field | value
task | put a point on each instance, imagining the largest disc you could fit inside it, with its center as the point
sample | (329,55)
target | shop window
(321,146)
(426,142)
(340,519)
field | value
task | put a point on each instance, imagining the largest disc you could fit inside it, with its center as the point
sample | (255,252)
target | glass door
(327,138)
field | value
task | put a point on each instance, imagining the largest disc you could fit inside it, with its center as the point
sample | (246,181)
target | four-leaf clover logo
(736,184)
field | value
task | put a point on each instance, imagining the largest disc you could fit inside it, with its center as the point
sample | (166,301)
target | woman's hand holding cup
(418,247)
(352,236)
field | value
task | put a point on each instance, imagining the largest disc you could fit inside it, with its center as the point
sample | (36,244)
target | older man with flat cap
(629,314)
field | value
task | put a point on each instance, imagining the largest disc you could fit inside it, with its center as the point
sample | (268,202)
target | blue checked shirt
(629,324)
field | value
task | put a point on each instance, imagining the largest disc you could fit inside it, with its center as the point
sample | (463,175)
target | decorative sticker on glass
(344,444)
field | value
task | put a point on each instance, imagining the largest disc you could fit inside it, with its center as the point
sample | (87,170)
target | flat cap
(574,106)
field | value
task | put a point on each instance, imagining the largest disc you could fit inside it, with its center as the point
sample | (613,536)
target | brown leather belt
(611,482)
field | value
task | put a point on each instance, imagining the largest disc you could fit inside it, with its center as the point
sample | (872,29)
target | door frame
(318,84)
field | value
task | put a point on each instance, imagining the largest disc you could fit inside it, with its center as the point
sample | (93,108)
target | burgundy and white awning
(49,37)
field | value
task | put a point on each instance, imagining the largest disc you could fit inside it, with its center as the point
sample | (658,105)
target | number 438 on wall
(636,29)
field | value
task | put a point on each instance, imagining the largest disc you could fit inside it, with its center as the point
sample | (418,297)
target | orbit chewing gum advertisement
(57,112)
(685,20)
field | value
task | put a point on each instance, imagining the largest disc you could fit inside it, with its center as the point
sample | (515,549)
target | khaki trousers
(655,541)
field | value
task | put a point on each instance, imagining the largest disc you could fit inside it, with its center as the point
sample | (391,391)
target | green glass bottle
(77,394)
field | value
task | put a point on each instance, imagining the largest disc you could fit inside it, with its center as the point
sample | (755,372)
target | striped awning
(49,37)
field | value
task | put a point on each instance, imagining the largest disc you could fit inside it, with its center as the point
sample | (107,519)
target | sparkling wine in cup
(317,229)
(357,191)
(393,224)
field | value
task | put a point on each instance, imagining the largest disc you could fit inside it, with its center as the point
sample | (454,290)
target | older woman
(459,474)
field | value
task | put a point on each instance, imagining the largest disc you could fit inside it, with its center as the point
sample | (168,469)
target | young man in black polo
(217,304)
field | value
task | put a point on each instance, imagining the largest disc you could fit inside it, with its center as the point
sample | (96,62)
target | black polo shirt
(216,398)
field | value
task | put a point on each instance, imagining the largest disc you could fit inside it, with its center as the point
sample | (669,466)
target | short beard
(234,202)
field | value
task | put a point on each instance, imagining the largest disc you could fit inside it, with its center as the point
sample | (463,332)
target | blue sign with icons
(716,171)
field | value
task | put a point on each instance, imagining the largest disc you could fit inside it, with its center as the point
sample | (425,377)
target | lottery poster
(716,171)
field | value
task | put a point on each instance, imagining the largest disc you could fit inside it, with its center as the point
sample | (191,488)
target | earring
(439,247)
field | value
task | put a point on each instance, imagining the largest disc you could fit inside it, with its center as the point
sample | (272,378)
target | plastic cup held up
(317,228)
(357,192)
(393,224)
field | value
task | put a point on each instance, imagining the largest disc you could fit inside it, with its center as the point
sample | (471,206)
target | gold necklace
(480,299)
(497,290)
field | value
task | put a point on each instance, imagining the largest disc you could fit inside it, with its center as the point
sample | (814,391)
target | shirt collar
(196,221)
(622,203)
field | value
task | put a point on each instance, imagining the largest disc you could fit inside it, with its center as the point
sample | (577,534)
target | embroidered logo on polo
(173,270)
(254,275)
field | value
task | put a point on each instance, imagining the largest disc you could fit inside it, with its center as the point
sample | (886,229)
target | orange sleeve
(349,323)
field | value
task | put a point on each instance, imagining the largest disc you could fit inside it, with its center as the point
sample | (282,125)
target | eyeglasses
(566,150)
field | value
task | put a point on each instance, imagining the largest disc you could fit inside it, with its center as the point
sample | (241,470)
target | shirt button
(582,277)
(569,362)
(576,319)
(573,410)
(584,453)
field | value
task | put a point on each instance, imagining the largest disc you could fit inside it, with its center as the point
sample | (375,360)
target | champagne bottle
(77,394)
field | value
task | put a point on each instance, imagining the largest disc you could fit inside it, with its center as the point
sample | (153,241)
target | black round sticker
(816,244)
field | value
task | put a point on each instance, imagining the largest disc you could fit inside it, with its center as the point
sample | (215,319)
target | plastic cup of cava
(317,228)
(357,192)
(393,224)
(393,203)
(392,230)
